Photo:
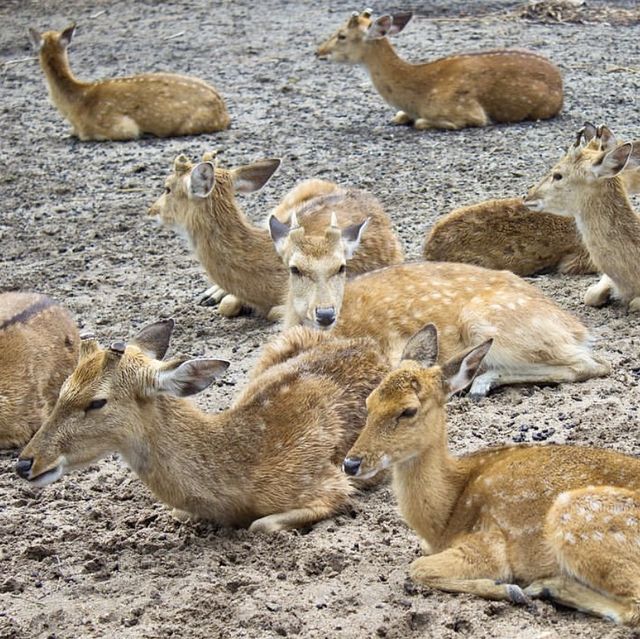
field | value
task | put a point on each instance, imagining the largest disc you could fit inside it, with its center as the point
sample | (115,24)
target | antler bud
(181,164)
(118,348)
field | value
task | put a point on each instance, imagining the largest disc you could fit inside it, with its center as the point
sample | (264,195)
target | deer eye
(557,176)
(342,269)
(167,190)
(342,36)
(95,405)
(294,270)
(409,412)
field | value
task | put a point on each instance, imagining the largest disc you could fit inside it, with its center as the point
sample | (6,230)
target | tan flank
(38,350)
(587,185)
(505,234)
(472,89)
(535,340)
(238,256)
(270,461)
(163,104)
(510,523)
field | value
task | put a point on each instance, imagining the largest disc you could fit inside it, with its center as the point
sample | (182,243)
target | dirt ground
(95,555)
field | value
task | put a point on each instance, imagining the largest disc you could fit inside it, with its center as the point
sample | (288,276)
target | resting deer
(586,184)
(472,89)
(162,104)
(38,349)
(238,256)
(534,340)
(559,521)
(270,461)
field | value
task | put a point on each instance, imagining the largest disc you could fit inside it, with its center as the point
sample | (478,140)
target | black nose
(351,465)
(23,466)
(325,316)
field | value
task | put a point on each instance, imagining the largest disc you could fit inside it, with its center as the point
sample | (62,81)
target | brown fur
(269,461)
(535,340)
(239,257)
(505,234)
(559,521)
(453,92)
(583,186)
(162,104)
(38,349)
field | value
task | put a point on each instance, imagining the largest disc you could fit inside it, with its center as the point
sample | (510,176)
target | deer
(160,104)
(587,185)
(508,523)
(469,89)
(535,341)
(269,462)
(39,343)
(199,200)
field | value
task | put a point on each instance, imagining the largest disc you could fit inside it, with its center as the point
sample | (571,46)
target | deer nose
(325,316)
(23,466)
(351,465)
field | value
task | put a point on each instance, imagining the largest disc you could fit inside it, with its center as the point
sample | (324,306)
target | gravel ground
(95,555)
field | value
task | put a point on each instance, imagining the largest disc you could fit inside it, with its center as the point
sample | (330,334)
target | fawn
(39,345)
(162,104)
(586,184)
(270,461)
(534,340)
(472,89)
(238,256)
(559,521)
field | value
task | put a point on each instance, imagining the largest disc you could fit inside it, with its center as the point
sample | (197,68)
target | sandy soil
(95,555)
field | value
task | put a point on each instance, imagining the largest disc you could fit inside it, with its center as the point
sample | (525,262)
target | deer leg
(230,306)
(211,296)
(276,313)
(634,305)
(578,263)
(402,118)
(476,565)
(599,294)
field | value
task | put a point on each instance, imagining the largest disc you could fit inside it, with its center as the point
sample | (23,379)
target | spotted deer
(162,104)
(471,89)
(269,462)
(38,348)
(587,185)
(534,340)
(199,199)
(506,523)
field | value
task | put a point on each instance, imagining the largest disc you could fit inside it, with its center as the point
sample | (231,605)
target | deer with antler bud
(238,256)
(270,461)
(587,185)
(509,523)
(162,104)
(473,89)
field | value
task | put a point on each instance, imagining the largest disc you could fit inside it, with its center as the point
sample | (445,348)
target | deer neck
(64,88)
(428,487)
(608,225)
(190,459)
(387,70)
(238,256)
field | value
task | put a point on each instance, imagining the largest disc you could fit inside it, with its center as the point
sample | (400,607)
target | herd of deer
(509,523)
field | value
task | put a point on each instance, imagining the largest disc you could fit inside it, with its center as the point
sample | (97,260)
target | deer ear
(202,179)
(588,131)
(35,38)
(352,236)
(67,35)
(253,177)
(612,162)
(388,25)
(154,339)
(423,346)
(459,371)
(188,378)
(279,233)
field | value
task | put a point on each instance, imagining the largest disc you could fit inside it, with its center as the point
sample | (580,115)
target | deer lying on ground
(163,104)
(470,89)
(586,184)
(238,256)
(270,461)
(534,340)
(559,521)
(38,349)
